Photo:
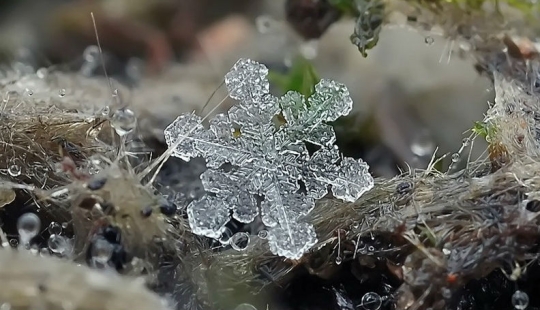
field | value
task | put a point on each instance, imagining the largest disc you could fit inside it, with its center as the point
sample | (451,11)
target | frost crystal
(258,159)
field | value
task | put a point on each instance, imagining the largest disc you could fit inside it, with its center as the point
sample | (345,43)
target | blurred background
(415,91)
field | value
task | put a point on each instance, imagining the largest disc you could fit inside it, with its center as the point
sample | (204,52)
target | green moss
(301,78)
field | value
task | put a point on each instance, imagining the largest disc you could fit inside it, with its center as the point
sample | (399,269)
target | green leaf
(301,78)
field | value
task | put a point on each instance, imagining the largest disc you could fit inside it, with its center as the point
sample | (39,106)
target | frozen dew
(241,307)
(429,40)
(292,241)
(267,165)
(28,226)
(239,241)
(58,244)
(54,228)
(371,301)
(123,121)
(14,170)
(520,300)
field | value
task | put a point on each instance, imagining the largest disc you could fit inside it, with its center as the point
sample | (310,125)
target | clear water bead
(520,300)
(14,170)
(263,234)
(124,121)
(58,244)
(62,92)
(339,260)
(101,251)
(42,73)
(371,301)
(28,226)
(54,228)
(429,40)
(240,241)
(455,157)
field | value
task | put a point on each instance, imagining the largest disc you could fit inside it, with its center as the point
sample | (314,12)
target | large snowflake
(258,161)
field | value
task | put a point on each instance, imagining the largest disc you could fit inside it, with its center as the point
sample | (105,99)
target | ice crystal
(258,159)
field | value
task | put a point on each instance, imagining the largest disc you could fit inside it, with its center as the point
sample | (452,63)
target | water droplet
(101,251)
(28,92)
(466,141)
(58,244)
(14,242)
(429,40)
(44,252)
(28,226)
(34,249)
(240,241)
(42,73)
(423,144)
(65,225)
(54,228)
(371,301)
(455,157)
(91,53)
(226,236)
(520,300)
(123,121)
(263,234)
(105,111)
(14,170)
(264,23)
(62,92)
(339,260)
(241,307)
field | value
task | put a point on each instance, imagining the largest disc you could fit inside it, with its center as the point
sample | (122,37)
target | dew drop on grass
(371,301)
(520,300)
(14,170)
(263,234)
(101,251)
(58,244)
(455,157)
(239,241)
(123,121)
(54,228)
(28,226)
(226,236)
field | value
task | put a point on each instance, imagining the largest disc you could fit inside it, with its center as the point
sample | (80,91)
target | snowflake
(258,161)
